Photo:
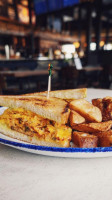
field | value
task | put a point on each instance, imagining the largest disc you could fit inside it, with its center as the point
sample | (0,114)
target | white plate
(62,152)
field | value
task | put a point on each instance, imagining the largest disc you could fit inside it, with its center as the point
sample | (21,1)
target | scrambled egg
(29,123)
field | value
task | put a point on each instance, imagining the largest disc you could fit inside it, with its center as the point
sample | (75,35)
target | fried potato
(90,112)
(84,140)
(108,99)
(105,105)
(98,103)
(75,118)
(107,112)
(93,127)
(105,138)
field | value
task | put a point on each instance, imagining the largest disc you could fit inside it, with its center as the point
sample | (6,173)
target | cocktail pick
(50,67)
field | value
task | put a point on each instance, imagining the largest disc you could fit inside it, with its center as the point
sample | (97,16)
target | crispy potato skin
(94,127)
(105,105)
(90,112)
(98,103)
(100,129)
(84,140)
(104,138)
(75,118)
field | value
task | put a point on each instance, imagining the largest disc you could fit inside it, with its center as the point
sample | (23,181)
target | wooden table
(91,69)
(22,74)
(23,77)
(86,69)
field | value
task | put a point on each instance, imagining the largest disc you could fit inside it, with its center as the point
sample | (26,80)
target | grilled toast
(64,94)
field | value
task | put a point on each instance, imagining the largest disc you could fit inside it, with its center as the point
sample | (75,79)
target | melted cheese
(29,123)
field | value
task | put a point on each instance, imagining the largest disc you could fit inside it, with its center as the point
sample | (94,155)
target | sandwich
(36,120)
(58,120)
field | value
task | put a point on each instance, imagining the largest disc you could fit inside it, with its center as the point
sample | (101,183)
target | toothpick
(50,67)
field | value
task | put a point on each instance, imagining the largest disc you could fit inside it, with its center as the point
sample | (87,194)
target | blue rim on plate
(56,149)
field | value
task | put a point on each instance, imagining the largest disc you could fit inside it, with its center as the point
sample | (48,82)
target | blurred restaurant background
(75,36)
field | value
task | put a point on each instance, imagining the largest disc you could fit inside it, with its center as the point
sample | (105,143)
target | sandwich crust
(64,94)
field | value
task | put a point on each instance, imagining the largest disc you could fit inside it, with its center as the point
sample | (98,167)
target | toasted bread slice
(87,110)
(105,105)
(84,140)
(105,138)
(93,127)
(64,94)
(52,108)
(75,118)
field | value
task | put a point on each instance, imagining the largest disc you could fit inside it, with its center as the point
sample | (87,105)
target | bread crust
(64,94)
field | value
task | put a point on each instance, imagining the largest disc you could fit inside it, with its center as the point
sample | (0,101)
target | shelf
(54,36)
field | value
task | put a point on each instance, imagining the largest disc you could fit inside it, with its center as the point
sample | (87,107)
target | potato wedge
(90,112)
(105,105)
(75,118)
(93,127)
(98,103)
(84,140)
(105,138)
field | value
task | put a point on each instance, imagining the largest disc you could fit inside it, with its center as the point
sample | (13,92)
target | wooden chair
(2,83)
(68,77)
